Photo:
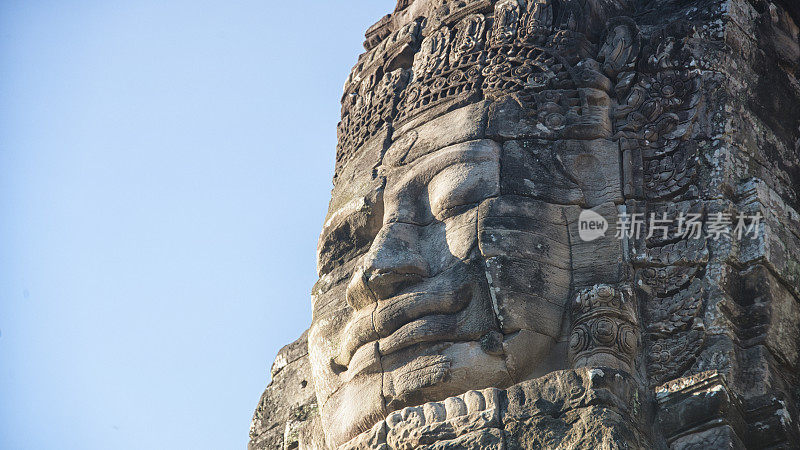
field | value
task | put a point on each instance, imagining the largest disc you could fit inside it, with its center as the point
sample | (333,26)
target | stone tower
(558,224)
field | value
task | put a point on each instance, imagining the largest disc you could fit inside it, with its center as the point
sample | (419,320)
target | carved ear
(621,45)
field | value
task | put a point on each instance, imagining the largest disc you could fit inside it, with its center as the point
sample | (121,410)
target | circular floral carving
(554,120)
(522,71)
(412,94)
(498,60)
(671,88)
(455,77)
(439,84)
(604,331)
(579,340)
(626,339)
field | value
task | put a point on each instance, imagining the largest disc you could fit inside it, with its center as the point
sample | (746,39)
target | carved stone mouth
(427,330)
(405,320)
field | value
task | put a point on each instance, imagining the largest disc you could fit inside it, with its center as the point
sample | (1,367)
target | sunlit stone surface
(460,303)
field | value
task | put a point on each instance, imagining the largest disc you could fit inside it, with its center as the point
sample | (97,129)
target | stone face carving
(459,302)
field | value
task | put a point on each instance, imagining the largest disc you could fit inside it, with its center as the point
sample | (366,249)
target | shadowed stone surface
(460,304)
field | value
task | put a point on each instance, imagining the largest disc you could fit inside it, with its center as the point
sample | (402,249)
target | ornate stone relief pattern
(372,91)
(605,328)
(486,419)
(446,70)
(653,123)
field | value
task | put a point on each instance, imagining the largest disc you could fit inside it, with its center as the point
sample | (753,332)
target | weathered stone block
(583,173)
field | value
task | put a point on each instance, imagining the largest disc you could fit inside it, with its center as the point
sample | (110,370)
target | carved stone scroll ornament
(446,71)
(468,37)
(605,328)
(656,111)
(506,22)
(540,17)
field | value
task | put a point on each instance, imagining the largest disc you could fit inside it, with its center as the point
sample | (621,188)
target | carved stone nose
(392,263)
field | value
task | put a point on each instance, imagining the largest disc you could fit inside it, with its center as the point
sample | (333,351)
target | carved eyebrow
(414,183)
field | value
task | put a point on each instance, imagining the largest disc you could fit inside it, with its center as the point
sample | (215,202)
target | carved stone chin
(482,283)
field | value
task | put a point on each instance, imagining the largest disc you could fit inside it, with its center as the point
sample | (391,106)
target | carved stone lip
(404,320)
(427,332)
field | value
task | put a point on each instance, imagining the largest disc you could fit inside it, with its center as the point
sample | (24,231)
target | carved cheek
(443,244)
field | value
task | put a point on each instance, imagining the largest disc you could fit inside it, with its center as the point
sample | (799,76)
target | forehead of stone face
(420,136)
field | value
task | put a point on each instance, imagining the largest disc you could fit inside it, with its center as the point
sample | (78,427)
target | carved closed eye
(349,232)
(460,186)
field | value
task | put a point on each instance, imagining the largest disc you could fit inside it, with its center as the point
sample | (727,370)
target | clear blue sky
(165,170)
